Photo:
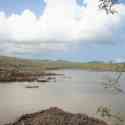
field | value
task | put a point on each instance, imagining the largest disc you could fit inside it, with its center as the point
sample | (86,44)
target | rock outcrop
(56,116)
(7,75)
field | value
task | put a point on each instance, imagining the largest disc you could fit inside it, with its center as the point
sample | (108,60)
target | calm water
(79,91)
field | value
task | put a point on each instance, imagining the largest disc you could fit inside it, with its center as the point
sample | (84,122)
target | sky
(75,30)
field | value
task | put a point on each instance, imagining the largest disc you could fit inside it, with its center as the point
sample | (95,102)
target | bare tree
(113,83)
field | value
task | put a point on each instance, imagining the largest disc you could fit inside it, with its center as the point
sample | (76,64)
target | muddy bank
(56,116)
(7,75)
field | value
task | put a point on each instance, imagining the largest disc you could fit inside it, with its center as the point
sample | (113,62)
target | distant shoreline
(25,76)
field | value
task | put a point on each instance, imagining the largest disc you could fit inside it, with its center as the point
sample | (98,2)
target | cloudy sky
(62,29)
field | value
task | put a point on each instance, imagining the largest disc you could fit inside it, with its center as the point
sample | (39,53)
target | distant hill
(39,65)
(96,62)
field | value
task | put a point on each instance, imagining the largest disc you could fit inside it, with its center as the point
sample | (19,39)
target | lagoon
(77,91)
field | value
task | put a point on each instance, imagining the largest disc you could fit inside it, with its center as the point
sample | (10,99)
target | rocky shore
(12,75)
(56,116)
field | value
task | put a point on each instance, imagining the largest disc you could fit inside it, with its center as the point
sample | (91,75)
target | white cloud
(62,23)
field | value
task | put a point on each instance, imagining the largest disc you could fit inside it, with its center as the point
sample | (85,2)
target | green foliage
(107,6)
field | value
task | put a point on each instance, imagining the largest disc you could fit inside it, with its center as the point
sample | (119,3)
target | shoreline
(13,75)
